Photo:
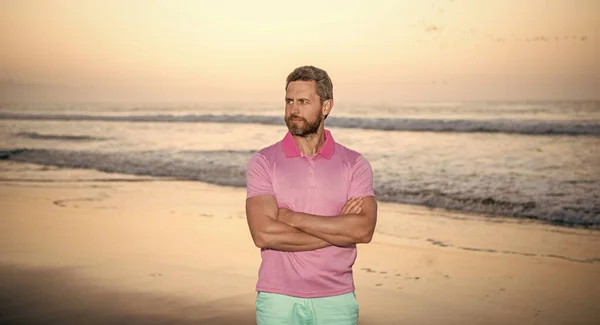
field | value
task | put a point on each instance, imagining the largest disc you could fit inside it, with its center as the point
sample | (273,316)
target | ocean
(524,160)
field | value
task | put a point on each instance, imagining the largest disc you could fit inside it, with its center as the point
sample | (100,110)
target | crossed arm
(285,230)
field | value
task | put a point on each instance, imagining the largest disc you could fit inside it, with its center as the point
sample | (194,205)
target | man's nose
(294,108)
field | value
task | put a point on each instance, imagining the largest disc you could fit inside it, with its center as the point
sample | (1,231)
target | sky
(375,51)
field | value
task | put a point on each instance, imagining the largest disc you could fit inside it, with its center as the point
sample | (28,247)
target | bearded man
(309,202)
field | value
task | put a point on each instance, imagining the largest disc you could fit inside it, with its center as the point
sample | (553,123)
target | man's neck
(310,145)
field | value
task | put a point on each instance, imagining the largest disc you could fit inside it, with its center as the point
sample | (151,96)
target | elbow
(260,241)
(365,237)
(364,240)
(263,234)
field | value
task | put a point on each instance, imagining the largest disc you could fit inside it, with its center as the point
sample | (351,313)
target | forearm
(283,237)
(343,230)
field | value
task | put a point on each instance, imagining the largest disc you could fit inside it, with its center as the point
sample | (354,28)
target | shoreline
(180,251)
(144,177)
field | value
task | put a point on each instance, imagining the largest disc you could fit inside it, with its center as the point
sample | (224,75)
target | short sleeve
(361,183)
(258,176)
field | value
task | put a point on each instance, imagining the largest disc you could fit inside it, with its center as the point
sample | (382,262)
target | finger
(354,199)
(346,208)
(357,202)
(355,207)
(348,204)
(349,201)
(351,206)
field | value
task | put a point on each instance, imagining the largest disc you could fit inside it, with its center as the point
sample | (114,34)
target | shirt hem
(306,294)
(366,194)
(249,195)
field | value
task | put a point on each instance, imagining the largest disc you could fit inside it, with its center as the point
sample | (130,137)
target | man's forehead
(306,88)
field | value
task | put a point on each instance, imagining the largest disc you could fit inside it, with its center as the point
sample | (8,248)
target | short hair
(311,73)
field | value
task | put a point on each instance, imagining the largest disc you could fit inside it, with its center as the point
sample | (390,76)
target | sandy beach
(127,128)
(85,247)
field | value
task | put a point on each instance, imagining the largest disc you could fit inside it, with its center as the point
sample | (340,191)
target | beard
(304,128)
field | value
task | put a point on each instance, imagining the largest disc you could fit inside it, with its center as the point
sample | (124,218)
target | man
(309,202)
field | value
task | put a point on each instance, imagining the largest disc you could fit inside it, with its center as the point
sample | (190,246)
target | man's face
(303,110)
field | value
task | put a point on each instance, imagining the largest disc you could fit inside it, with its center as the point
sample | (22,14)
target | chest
(311,185)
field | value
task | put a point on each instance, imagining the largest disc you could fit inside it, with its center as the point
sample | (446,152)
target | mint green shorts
(277,309)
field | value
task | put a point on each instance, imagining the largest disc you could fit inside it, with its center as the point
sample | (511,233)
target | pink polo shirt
(318,185)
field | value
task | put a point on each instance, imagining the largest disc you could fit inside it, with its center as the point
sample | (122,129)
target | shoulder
(350,156)
(266,155)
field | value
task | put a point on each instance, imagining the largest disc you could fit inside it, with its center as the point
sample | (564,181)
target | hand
(352,206)
(282,214)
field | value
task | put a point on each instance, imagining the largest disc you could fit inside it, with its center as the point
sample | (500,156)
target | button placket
(311,172)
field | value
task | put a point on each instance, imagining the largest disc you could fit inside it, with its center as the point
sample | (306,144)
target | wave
(211,167)
(516,126)
(586,216)
(228,168)
(38,136)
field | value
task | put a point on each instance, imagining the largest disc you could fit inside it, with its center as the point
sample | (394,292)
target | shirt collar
(290,148)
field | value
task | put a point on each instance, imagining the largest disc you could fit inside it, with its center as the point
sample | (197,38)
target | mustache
(296,117)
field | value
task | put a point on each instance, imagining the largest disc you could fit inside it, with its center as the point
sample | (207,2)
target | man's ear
(327,106)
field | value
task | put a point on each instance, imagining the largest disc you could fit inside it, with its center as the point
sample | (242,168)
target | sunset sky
(375,51)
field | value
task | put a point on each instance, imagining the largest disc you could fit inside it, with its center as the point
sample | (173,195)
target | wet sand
(84,247)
